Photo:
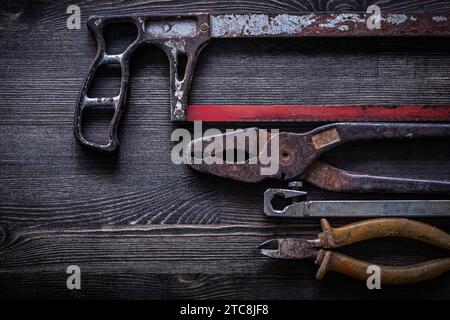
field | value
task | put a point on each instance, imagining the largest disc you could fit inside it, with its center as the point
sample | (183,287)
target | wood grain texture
(190,261)
(200,286)
(142,227)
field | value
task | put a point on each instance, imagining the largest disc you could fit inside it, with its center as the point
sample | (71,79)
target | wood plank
(52,184)
(209,249)
(132,285)
(208,261)
(281,72)
(134,221)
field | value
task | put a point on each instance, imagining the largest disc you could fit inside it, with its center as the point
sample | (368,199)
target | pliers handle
(331,238)
(381,228)
(325,176)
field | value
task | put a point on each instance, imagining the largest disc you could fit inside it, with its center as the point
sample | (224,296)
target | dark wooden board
(142,227)
(217,261)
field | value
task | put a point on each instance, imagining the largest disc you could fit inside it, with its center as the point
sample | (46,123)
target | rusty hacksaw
(182,37)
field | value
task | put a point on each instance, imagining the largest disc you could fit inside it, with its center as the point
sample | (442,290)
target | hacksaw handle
(382,228)
(181,49)
(354,268)
(115,103)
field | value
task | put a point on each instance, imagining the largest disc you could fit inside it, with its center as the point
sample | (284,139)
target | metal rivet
(204,27)
(178,113)
(295,185)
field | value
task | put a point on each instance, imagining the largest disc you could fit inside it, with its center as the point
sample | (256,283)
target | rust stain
(325,138)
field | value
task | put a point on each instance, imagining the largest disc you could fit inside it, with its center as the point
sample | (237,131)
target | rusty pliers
(330,238)
(299,157)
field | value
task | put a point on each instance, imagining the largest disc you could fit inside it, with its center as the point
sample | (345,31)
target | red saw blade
(229,113)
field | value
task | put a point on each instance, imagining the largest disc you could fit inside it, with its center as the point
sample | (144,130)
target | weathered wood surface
(142,227)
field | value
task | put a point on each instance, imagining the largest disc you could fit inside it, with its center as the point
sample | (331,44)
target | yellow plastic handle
(354,268)
(382,228)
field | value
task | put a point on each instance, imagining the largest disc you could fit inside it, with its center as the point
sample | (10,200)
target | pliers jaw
(235,155)
(290,248)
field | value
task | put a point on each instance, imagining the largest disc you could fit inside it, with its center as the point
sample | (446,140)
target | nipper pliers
(299,157)
(293,248)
